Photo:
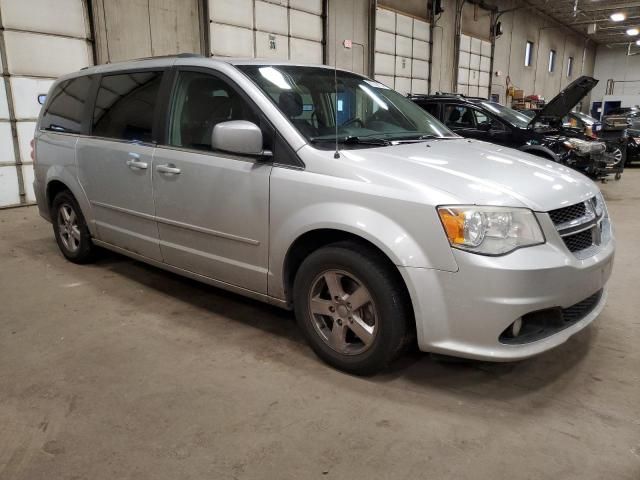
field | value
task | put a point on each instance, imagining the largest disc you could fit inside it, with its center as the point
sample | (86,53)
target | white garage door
(474,67)
(276,29)
(401,52)
(42,40)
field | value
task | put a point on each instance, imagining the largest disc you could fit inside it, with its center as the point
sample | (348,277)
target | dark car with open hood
(542,135)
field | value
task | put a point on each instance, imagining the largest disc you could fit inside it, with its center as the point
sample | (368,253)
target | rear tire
(70,229)
(352,308)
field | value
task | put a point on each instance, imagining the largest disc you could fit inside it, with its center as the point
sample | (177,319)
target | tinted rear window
(65,109)
(431,108)
(125,106)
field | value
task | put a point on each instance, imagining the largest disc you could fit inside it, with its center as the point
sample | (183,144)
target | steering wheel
(352,121)
(381,116)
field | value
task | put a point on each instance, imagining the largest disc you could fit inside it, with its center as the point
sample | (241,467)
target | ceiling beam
(608,7)
(551,17)
(627,21)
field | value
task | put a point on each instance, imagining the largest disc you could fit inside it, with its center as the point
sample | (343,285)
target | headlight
(490,230)
(601,206)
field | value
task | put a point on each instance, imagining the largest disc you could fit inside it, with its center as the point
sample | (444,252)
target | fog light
(516,327)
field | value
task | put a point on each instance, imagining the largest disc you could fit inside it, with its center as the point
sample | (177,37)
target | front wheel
(352,308)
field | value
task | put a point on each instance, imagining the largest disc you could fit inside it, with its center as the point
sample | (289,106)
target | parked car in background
(633,146)
(373,221)
(620,146)
(581,125)
(489,121)
(540,134)
(580,122)
(622,118)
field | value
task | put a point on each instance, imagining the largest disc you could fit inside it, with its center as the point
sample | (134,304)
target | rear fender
(62,174)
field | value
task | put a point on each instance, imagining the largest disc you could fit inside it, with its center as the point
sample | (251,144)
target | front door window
(201,101)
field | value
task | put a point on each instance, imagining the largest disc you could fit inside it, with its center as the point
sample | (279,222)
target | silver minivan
(327,193)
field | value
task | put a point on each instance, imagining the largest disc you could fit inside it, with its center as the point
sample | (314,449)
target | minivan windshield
(507,114)
(368,112)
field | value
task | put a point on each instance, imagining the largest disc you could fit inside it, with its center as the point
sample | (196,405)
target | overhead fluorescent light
(618,17)
(633,32)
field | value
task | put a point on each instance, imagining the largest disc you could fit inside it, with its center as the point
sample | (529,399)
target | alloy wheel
(617,156)
(343,312)
(68,227)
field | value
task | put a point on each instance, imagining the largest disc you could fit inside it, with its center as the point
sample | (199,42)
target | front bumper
(463,313)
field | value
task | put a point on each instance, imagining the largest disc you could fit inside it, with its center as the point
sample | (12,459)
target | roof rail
(437,94)
(177,55)
(443,95)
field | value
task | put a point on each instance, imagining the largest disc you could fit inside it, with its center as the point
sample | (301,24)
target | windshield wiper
(354,140)
(366,141)
(419,138)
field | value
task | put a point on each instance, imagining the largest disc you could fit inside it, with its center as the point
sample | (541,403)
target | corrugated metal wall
(127,29)
(39,41)
(280,29)
(348,21)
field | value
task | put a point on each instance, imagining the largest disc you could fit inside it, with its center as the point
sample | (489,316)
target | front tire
(352,308)
(70,229)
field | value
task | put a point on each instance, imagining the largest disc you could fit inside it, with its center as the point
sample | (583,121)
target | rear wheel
(70,229)
(352,308)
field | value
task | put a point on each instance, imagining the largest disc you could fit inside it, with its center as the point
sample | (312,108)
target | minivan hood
(561,104)
(468,171)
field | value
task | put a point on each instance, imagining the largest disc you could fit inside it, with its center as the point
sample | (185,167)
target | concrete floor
(122,371)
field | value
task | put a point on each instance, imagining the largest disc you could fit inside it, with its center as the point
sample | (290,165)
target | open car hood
(561,104)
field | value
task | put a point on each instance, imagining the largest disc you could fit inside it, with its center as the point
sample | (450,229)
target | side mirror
(42,98)
(238,136)
(485,126)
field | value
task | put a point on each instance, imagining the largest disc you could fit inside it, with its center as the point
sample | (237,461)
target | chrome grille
(568,214)
(579,225)
(579,241)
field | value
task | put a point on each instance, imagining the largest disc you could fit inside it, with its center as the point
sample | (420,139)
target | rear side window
(65,109)
(125,106)
(458,116)
(431,108)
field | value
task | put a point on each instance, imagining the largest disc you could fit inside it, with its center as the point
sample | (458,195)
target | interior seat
(291,105)
(203,110)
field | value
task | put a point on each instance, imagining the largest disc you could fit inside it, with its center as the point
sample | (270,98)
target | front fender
(540,150)
(380,230)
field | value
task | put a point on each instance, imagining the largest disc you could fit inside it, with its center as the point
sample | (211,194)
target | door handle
(135,164)
(169,169)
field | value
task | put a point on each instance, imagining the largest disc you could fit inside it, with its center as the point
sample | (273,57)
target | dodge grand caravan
(333,196)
